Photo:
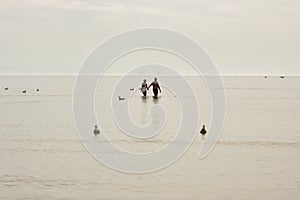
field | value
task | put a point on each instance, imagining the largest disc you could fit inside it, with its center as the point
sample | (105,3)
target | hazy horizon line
(56,74)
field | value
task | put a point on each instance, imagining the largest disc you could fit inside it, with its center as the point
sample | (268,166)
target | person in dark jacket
(155,87)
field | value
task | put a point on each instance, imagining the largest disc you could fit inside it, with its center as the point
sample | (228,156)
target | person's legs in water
(155,91)
(145,93)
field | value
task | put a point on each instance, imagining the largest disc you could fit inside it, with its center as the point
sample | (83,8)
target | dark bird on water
(6,88)
(37,90)
(24,91)
(96,130)
(131,89)
(282,77)
(203,131)
(121,98)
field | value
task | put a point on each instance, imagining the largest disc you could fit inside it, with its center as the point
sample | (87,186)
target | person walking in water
(156,87)
(144,88)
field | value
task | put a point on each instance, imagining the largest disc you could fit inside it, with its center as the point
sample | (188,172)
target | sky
(245,37)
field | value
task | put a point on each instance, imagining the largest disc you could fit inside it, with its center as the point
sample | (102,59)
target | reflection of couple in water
(155,87)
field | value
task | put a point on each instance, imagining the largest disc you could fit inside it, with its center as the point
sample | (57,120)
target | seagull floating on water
(121,98)
(96,130)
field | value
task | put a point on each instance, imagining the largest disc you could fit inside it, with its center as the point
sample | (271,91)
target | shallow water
(257,156)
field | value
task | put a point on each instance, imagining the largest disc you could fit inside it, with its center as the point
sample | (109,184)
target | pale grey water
(257,156)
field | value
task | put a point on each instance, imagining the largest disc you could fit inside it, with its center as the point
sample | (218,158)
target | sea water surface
(257,155)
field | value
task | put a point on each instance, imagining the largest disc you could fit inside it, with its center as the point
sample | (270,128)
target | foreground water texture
(257,156)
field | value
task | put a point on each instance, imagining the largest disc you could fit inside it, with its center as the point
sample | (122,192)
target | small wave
(15,180)
(17,102)
(261,143)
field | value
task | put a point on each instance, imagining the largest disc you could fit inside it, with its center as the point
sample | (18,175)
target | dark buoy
(24,91)
(203,131)
(96,130)
(6,88)
(37,90)
(121,98)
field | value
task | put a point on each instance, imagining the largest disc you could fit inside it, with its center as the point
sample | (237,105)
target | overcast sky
(241,36)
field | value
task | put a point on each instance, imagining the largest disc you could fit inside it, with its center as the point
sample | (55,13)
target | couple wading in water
(155,88)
